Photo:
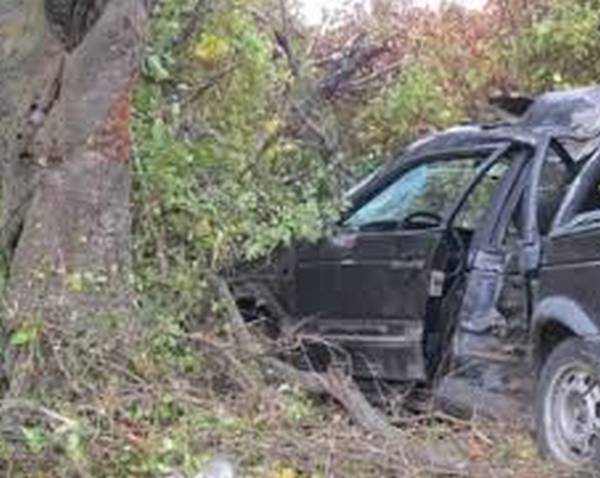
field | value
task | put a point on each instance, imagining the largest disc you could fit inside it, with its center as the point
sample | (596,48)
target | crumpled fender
(565,311)
(562,311)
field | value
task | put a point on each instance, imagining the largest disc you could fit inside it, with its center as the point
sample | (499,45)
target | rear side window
(554,182)
(591,200)
(583,204)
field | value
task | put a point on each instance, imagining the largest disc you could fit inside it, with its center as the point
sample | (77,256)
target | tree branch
(438,458)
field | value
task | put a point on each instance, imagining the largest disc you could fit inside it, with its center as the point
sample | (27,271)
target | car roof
(571,117)
(458,137)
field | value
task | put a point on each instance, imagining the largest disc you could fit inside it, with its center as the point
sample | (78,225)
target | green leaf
(74,282)
(23,337)
(35,439)
(156,69)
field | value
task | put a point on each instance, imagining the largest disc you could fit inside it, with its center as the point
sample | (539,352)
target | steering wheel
(422,220)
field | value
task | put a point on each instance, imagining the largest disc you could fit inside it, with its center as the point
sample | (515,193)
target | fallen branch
(347,67)
(9,405)
(436,458)
(244,378)
(367,80)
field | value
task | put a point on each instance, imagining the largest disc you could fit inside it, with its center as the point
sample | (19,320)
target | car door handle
(347,262)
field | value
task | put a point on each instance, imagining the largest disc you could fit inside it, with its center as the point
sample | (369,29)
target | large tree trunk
(64,133)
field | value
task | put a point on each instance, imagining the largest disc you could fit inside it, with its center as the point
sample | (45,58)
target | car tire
(567,404)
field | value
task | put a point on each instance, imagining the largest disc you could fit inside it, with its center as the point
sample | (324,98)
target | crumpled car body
(463,263)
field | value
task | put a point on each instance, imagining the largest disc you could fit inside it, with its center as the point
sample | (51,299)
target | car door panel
(377,291)
(570,264)
(367,292)
(569,259)
(363,276)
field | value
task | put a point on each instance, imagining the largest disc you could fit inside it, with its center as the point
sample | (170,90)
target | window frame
(490,154)
(568,221)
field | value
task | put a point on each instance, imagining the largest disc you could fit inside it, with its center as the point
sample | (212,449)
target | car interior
(584,205)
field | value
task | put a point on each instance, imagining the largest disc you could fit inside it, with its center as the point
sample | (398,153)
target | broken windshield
(430,189)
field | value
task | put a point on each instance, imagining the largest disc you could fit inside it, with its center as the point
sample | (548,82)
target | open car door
(375,287)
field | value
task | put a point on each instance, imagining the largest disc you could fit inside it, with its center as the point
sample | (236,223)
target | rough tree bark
(65,87)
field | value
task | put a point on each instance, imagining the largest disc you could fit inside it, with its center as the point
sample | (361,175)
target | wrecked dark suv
(470,263)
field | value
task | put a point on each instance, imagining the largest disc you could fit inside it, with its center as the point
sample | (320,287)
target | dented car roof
(571,117)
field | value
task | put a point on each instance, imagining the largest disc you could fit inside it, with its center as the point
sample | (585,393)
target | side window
(478,201)
(432,187)
(591,200)
(584,207)
(554,181)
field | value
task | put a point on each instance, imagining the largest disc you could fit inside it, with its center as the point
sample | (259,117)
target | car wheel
(567,407)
